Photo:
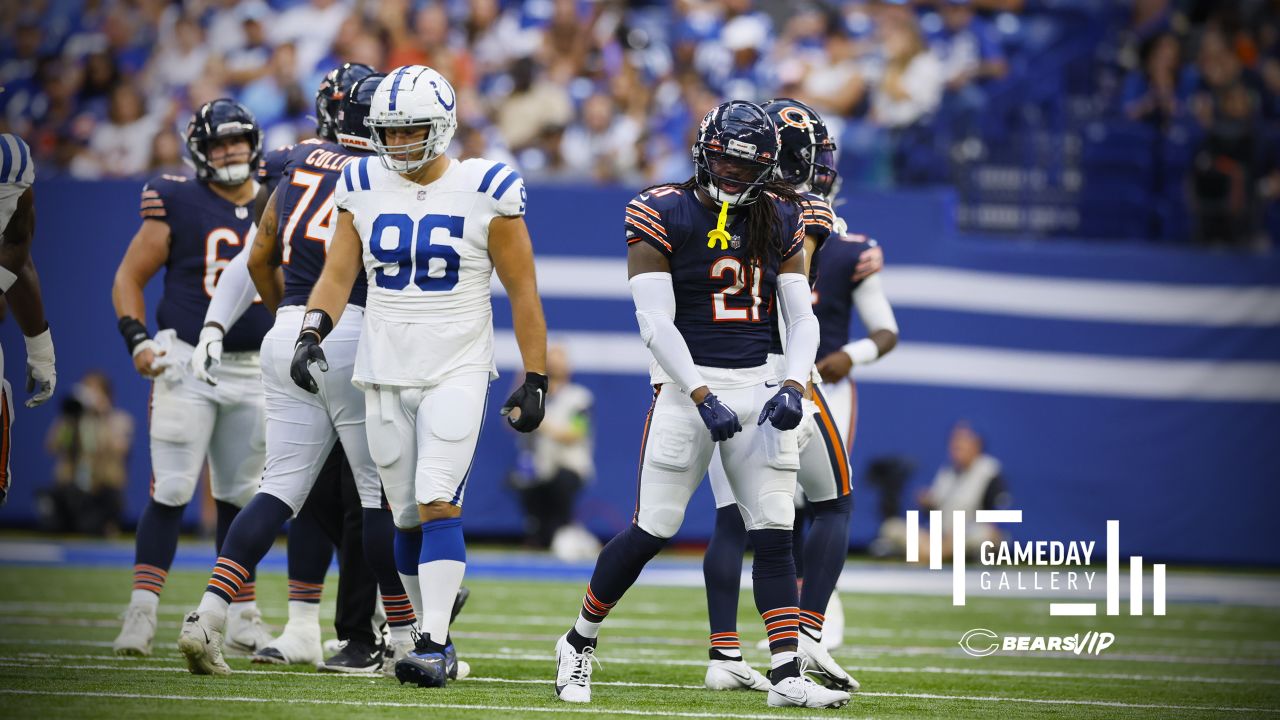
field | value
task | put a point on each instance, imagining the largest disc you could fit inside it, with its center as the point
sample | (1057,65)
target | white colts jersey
(426,254)
(17,172)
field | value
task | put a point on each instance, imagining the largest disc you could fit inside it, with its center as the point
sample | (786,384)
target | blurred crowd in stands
(1204,76)
(569,89)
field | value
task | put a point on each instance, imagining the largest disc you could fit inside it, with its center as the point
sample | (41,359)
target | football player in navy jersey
(191,229)
(710,259)
(20,288)
(807,164)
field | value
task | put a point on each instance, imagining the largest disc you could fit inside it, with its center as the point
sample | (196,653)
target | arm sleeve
(235,291)
(795,300)
(655,301)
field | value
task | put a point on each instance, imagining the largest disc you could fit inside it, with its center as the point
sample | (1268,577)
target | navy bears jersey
(308,216)
(724,303)
(205,232)
(272,166)
(818,221)
(833,291)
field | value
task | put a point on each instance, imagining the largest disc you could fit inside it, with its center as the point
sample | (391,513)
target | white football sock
(145,598)
(586,628)
(414,591)
(439,581)
(304,612)
(213,604)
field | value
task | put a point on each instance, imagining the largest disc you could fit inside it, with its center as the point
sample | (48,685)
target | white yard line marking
(127,663)
(440,706)
(604,711)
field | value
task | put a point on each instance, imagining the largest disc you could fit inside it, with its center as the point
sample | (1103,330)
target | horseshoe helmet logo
(453,96)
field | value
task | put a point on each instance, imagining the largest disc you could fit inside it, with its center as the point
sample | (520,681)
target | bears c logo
(795,117)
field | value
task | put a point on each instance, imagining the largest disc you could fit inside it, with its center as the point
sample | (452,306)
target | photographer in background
(558,464)
(89,442)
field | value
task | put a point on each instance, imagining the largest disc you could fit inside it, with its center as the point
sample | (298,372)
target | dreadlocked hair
(765,232)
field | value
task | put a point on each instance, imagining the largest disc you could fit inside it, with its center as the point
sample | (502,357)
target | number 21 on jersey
(739,277)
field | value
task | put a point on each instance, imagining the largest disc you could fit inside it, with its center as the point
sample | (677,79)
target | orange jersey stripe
(829,426)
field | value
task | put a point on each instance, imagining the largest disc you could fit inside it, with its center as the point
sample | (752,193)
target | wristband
(316,322)
(133,331)
(7,279)
(862,352)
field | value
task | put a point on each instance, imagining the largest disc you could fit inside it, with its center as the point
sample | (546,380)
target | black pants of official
(333,510)
(548,506)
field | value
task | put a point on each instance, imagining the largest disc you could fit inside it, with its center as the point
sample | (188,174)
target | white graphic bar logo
(1061,609)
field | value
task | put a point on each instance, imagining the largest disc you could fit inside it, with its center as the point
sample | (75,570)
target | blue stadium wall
(1113,380)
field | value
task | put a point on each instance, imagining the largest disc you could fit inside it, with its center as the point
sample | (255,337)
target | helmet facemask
(400,158)
(733,175)
(823,178)
(229,174)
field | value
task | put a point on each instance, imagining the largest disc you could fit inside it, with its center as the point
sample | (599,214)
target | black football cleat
(458,601)
(429,665)
(354,658)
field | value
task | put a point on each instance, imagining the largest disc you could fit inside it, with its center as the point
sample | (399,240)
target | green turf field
(56,625)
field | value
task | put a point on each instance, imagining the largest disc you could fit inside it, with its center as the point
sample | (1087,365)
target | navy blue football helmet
(215,121)
(808,157)
(352,132)
(337,83)
(736,152)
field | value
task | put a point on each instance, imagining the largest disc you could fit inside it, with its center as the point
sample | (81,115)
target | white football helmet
(413,96)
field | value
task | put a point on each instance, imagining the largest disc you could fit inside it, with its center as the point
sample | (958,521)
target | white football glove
(207,355)
(42,376)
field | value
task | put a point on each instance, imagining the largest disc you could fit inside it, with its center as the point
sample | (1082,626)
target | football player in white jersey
(429,232)
(20,287)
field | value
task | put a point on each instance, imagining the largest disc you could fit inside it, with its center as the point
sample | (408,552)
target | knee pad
(455,413)
(173,491)
(840,505)
(659,518)
(776,510)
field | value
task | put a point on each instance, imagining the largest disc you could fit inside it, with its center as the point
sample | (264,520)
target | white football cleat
(201,643)
(246,632)
(138,631)
(394,653)
(333,646)
(573,671)
(803,692)
(299,644)
(464,670)
(820,663)
(833,623)
(734,675)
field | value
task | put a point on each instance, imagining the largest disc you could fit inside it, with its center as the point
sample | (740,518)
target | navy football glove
(531,398)
(307,351)
(719,418)
(784,410)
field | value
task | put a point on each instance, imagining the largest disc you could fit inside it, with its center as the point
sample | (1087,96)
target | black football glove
(307,351)
(531,398)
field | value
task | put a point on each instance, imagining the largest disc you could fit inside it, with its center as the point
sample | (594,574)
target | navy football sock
(773,575)
(825,551)
(248,539)
(227,514)
(156,544)
(722,576)
(310,555)
(379,552)
(617,568)
(797,540)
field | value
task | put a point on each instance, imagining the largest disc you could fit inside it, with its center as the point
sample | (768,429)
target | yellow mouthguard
(719,233)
